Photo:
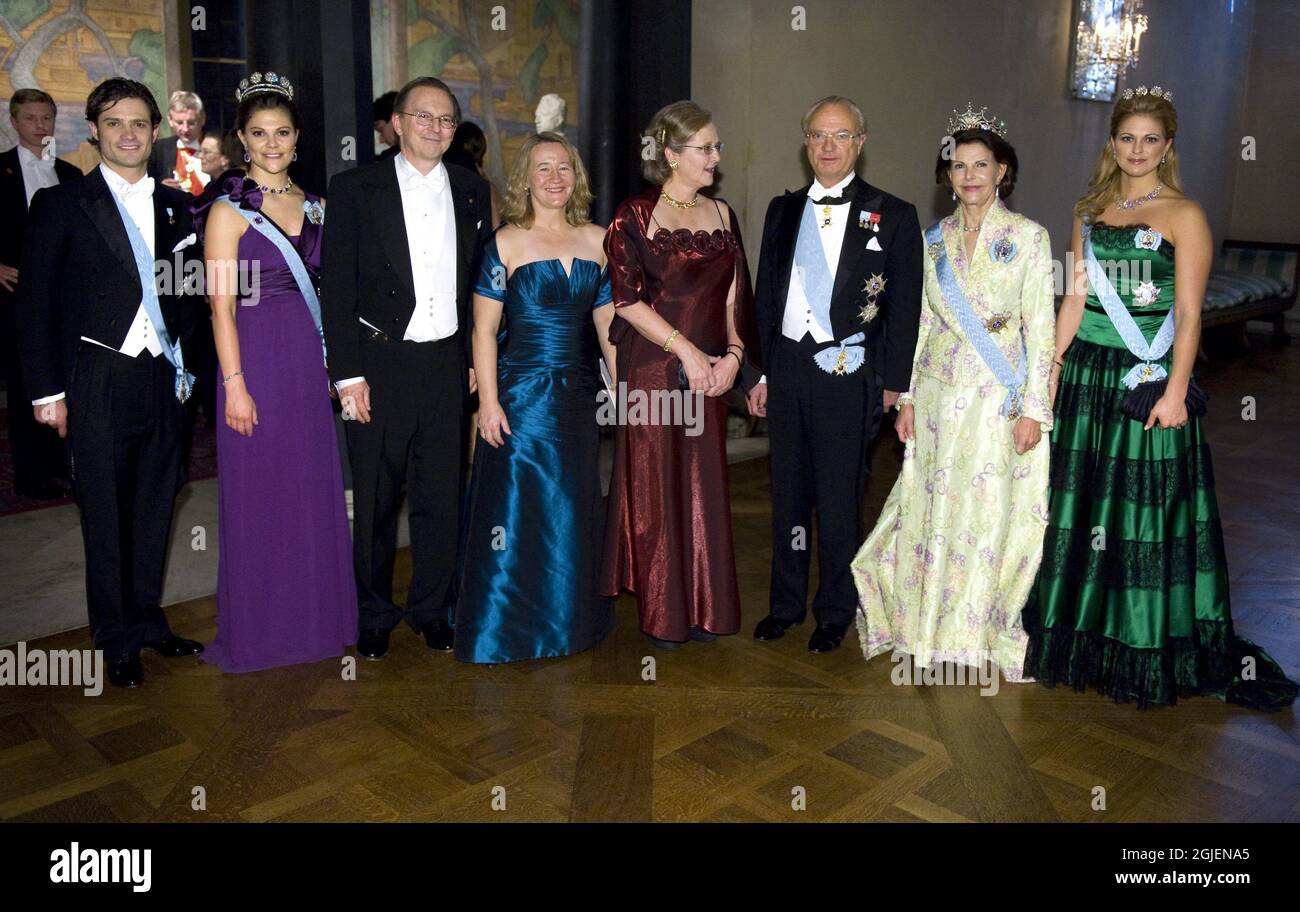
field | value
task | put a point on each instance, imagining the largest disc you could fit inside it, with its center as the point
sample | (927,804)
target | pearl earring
(954,195)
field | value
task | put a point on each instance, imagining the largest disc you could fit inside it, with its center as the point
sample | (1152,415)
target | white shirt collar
(119,184)
(407,173)
(26,156)
(817,191)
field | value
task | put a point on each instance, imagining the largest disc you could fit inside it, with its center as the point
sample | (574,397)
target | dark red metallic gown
(668,531)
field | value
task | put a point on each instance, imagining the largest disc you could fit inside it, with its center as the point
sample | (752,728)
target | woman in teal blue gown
(534,518)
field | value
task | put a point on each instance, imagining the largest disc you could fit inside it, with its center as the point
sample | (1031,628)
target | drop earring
(954,196)
(247,157)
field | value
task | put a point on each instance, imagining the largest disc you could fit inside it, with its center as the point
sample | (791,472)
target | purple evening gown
(285,587)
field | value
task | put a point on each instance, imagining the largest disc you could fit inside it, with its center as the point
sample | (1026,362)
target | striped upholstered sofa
(1251,281)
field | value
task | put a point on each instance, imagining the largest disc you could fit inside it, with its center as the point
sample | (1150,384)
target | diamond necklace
(1134,203)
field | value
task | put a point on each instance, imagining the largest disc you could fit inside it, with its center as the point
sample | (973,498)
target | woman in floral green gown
(944,574)
(1132,594)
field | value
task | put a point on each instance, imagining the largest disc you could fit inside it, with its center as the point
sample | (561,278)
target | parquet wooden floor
(729,731)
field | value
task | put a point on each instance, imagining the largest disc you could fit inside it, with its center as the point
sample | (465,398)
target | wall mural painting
(499,58)
(67,46)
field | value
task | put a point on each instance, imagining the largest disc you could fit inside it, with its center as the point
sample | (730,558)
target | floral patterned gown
(946,571)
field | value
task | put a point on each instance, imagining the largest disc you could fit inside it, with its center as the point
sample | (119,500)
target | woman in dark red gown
(685,313)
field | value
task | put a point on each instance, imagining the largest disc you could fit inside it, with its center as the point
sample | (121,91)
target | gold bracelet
(671,336)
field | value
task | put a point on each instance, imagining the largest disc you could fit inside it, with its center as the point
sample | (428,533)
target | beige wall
(909,62)
(1266,205)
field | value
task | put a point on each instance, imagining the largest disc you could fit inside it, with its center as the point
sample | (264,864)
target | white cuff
(762,379)
(48,399)
(348,382)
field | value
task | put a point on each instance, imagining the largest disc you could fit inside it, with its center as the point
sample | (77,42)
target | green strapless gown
(1132,592)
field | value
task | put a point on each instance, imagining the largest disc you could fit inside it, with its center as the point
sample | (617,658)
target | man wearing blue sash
(101,313)
(838,299)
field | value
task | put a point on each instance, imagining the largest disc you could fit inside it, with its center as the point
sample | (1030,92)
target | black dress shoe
(773,628)
(372,644)
(125,671)
(438,635)
(172,646)
(827,637)
(665,645)
(700,635)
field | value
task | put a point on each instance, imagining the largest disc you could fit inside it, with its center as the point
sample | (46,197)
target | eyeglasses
(425,119)
(708,148)
(840,138)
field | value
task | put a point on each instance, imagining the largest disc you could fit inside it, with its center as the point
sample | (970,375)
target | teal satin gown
(534,519)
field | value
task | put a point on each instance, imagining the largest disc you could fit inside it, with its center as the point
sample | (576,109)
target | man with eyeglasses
(838,300)
(400,255)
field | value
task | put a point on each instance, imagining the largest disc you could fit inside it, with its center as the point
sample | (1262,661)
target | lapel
(787,237)
(97,201)
(865,198)
(463,210)
(164,226)
(391,219)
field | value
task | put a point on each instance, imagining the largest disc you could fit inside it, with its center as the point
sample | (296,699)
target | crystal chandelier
(1106,43)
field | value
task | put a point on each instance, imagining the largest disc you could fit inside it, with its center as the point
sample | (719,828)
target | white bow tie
(435,180)
(141,188)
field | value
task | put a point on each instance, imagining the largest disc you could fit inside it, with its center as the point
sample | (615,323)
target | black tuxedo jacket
(79,278)
(891,336)
(162,160)
(13,203)
(366,259)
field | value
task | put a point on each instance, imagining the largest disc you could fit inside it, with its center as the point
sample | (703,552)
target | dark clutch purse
(1143,398)
(682,380)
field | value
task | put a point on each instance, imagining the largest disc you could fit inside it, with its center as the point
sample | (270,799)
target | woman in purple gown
(285,588)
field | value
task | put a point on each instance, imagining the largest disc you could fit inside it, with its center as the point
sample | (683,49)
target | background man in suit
(838,300)
(383,115)
(99,337)
(29,166)
(398,267)
(175,159)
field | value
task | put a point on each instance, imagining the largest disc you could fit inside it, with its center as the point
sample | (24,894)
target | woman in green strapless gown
(1132,592)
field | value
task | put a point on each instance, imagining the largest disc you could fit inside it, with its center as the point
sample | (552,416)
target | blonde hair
(672,126)
(182,100)
(1103,189)
(518,206)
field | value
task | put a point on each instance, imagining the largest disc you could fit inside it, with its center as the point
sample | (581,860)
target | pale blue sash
(814,274)
(975,330)
(292,258)
(1125,325)
(144,265)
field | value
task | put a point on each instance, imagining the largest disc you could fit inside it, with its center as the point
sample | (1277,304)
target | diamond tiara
(971,119)
(1154,91)
(257,82)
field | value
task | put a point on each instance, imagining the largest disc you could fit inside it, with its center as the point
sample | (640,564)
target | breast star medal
(1145,294)
(872,288)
